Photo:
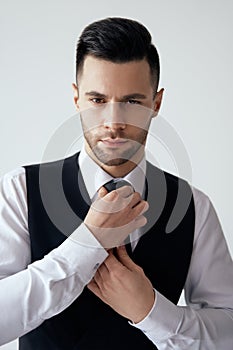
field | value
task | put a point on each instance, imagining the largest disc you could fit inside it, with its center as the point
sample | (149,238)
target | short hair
(119,40)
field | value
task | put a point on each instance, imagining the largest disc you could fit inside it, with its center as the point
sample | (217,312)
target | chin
(114,158)
(114,162)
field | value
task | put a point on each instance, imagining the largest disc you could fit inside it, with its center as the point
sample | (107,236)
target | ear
(75,91)
(158,101)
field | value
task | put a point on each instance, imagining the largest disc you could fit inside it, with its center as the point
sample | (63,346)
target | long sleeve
(31,293)
(207,320)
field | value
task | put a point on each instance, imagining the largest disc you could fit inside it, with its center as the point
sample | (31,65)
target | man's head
(116,93)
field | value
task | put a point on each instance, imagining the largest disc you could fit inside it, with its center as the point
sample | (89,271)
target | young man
(87,291)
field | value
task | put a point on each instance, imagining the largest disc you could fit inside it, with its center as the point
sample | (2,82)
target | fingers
(102,271)
(135,199)
(125,191)
(140,221)
(110,196)
(146,207)
(111,263)
(138,204)
(114,215)
(114,263)
(112,202)
(102,192)
(141,208)
(124,258)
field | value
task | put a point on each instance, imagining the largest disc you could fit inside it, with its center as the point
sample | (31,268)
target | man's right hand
(114,215)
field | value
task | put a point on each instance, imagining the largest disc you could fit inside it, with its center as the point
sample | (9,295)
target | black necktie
(111,186)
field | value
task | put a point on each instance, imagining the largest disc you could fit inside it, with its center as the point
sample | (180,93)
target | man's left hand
(122,284)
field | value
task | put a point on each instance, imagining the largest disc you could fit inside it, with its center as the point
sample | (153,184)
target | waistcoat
(163,251)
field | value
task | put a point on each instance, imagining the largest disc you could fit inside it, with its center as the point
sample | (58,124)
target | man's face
(116,102)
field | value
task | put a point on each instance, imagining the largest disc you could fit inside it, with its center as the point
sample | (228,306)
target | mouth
(118,142)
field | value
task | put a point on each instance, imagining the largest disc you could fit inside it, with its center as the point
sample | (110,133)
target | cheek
(137,133)
(92,119)
(92,134)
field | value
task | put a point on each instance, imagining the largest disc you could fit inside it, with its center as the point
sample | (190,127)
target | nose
(114,116)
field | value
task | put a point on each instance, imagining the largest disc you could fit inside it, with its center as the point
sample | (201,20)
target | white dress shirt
(33,292)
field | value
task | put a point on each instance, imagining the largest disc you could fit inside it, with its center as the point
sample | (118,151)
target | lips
(118,142)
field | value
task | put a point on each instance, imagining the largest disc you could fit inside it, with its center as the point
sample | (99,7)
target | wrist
(146,310)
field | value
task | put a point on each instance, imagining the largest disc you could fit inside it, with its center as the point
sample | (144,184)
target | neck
(118,170)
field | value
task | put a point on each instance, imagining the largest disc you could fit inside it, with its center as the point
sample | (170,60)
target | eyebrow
(135,95)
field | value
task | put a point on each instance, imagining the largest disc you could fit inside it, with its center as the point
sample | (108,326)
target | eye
(133,102)
(97,100)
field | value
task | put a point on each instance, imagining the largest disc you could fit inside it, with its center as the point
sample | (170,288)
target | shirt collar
(94,176)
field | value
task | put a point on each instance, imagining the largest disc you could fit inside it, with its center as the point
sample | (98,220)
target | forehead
(115,78)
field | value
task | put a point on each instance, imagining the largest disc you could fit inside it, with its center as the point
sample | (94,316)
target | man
(88,291)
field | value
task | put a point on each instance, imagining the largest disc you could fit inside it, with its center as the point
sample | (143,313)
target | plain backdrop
(194,40)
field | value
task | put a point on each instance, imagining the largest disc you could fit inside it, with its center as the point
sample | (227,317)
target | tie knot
(115,184)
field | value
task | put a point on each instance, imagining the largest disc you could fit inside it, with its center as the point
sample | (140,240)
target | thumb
(124,258)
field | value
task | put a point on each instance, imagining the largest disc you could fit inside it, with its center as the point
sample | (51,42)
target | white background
(194,39)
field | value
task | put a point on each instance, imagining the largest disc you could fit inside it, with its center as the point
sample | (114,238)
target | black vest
(88,323)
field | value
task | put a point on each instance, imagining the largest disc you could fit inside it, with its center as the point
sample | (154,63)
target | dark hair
(118,40)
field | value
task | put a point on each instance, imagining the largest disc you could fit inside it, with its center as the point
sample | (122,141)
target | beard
(115,156)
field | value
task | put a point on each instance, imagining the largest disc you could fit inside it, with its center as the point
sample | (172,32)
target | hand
(114,215)
(123,285)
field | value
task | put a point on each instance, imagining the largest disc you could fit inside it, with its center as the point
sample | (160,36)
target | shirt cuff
(81,253)
(162,321)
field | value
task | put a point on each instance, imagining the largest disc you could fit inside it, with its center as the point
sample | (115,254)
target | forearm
(180,328)
(48,286)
